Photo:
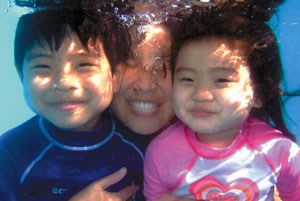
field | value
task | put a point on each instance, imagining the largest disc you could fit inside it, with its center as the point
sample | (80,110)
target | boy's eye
(87,65)
(41,69)
(41,66)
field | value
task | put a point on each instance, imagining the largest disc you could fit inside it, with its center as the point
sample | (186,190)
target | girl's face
(212,91)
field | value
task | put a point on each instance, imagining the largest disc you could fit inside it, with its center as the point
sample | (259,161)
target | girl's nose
(203,94)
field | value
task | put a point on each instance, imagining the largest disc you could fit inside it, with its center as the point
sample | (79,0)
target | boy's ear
(118,77)
(20,73)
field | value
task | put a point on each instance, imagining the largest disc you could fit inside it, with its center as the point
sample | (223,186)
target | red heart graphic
(209,188)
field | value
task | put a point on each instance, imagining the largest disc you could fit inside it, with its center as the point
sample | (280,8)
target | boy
(65,59)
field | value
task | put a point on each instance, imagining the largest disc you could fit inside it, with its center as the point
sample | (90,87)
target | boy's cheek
(98,83)
(41,82)
(35,80)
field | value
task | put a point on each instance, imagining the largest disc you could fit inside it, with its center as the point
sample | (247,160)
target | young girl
(231,142)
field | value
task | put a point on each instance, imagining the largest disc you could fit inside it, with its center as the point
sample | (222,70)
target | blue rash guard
(39,162)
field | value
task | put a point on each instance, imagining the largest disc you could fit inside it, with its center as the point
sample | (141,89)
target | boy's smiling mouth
(67,106)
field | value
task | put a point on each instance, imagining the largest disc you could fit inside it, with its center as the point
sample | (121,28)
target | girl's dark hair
(53,25)
(262,56)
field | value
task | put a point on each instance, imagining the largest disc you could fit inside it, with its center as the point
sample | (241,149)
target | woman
(143,101)
(136,99)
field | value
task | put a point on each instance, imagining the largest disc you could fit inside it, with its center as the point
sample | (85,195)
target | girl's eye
(223,80)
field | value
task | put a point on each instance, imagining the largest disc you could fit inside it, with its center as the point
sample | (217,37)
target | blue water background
(14,111)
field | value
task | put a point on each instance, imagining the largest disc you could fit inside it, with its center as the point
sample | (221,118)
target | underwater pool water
(14,111)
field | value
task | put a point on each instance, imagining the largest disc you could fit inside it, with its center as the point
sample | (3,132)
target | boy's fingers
(127,192)
(111,179)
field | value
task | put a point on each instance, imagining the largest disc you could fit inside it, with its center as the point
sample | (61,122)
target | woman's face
(143,101)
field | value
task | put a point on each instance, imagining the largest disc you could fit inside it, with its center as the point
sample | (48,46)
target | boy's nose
(65,78)
(64,82)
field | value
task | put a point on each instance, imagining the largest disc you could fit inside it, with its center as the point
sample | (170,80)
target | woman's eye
(132,65)
(186,79)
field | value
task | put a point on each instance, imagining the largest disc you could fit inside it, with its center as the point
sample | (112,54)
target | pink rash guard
(259,158)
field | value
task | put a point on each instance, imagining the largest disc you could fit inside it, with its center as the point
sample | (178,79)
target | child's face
(212,91)
(69,87)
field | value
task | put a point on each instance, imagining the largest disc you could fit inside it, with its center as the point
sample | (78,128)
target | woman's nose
(144,81)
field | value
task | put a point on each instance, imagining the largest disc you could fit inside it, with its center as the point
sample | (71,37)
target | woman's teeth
(144,106)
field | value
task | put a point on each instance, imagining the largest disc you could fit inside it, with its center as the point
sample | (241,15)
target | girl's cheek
(242,99)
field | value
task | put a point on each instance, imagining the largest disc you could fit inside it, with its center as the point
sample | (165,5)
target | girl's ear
(118,77)
(257,102)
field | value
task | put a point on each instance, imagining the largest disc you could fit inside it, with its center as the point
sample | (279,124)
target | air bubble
(9,3)
(188,5)
(116,10)
(174,5)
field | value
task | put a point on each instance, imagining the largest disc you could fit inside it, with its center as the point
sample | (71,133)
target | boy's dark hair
(262,56)
(52,26)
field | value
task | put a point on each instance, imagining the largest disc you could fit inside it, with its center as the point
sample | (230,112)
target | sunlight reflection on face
(101,81)
(151,54)
(152,31)
(67,67)
(234,58)
(41,82)
(71,47)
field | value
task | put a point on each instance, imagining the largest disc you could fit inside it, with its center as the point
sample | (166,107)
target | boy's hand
(96,190)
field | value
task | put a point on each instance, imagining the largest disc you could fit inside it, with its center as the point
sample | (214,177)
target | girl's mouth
(202,113)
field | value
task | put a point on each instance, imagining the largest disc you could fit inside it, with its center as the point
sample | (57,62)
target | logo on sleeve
(57,190)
